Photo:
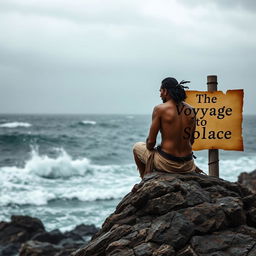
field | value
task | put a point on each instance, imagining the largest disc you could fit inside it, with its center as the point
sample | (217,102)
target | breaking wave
(88,122)
(43,179)
(15,125)
(101,124)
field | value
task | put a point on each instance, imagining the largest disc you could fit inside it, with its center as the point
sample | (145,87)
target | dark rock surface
(27,236)
(181,215)
(16,232)
(248,180)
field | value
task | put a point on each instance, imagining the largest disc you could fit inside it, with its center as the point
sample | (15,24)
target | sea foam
(61,167)
(230,168)
(15,125)
(43,179)
(88,122)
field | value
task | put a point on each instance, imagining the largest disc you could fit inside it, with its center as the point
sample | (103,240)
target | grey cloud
(249,5)
(116,14)
(63,60)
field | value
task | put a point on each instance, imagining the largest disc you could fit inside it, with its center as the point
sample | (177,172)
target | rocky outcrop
(28,236)
(181,215)
(248,180)
(16,232)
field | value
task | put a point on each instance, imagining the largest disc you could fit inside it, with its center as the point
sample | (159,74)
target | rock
(19,230)
(37,248)
(181,215)
(53,237)
(82,232)
(56,243)
(28,235)
(248,180)
(32,225)
(9,249)
(232,242)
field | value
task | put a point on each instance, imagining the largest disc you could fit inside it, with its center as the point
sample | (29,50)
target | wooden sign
(218,119)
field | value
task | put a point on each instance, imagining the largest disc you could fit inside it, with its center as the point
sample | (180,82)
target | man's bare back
(173,123)
(170,119)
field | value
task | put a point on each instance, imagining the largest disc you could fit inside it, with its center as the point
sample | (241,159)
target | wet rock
(227,242)
(82,231)
(28,235)
(182,215)
(248,180)
(37,248)
(19,230)
(53,237)
(164,250)
(144,249)
(56,243)
(9,249)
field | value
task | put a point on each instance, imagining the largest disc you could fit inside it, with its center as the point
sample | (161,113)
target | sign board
(218,119)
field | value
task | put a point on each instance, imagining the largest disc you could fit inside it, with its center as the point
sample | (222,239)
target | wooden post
(213,154)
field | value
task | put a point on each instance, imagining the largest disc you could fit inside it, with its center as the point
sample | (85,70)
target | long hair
(175,89)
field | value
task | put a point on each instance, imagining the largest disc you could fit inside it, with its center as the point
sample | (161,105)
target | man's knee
(137,147)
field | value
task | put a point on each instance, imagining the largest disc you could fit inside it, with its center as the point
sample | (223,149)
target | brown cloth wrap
(153,160)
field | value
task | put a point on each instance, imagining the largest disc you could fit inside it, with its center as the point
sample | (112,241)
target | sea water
(73,169)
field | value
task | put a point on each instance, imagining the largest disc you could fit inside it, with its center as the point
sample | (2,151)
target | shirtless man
(175,152)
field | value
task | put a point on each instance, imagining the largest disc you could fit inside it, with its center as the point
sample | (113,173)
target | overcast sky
(91,56)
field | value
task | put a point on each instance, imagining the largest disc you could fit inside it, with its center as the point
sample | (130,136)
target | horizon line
(62,113)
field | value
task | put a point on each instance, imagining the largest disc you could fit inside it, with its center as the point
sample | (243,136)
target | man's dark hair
(175,89)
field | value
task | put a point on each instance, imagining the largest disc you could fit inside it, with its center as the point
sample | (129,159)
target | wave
(230,168)
(36,197)
(88,122)
(109,125)
(44,179)
(15,125)
(101,124)
(61,167)
(28,138)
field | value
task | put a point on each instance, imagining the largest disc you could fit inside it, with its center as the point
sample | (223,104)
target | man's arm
(155,127)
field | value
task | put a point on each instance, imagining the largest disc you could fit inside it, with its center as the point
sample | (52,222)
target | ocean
(73,169)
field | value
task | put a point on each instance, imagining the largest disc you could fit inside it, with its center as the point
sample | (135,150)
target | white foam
(35,197)
(92,193)
(88,122)
(44,178)
(15,125)
(61,167)
(230,169)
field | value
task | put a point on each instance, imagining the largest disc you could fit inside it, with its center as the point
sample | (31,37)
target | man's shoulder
(161,109)
(159,106)
(166,105)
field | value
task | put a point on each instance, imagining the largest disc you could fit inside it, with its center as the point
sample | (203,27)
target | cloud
(248,5)
(130,45)
(85,12)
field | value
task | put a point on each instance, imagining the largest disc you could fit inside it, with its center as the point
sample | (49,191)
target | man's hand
(150,144)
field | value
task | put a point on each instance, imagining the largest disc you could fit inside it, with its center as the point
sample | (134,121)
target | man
(174,123)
